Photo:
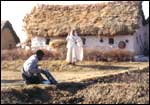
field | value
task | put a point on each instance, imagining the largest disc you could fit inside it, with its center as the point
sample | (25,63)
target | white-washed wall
(129,44)
(93,42)
(38,42)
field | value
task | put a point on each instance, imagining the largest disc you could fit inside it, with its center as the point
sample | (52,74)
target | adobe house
(9,39)
(103,26)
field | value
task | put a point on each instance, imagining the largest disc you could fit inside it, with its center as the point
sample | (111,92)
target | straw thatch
(58,43)
(113,18)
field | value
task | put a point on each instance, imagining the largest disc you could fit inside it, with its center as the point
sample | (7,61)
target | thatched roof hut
(109,19)
(7,24)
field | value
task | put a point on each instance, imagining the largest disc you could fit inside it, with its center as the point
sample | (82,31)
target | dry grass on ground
(121,84)
(87,92)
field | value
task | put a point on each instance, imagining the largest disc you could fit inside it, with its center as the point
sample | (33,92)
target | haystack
(108,19)
(58,43)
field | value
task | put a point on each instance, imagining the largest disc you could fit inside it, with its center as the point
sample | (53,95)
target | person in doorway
(31,74)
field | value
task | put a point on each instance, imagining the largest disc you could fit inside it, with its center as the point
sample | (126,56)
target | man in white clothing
(32,74)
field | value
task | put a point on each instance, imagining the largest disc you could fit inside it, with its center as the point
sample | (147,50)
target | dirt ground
(84,83)
(10,70)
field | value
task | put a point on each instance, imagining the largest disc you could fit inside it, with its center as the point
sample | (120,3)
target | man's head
(39,54)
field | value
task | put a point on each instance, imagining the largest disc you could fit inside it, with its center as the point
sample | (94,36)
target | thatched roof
(113,18)
(7,24)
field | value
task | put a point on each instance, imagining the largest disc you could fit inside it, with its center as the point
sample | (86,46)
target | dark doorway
(47,41)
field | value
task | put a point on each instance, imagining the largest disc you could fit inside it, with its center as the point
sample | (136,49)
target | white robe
(71,53)
(79,48)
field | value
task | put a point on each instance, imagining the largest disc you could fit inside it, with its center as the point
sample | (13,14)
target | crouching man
(31,74)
